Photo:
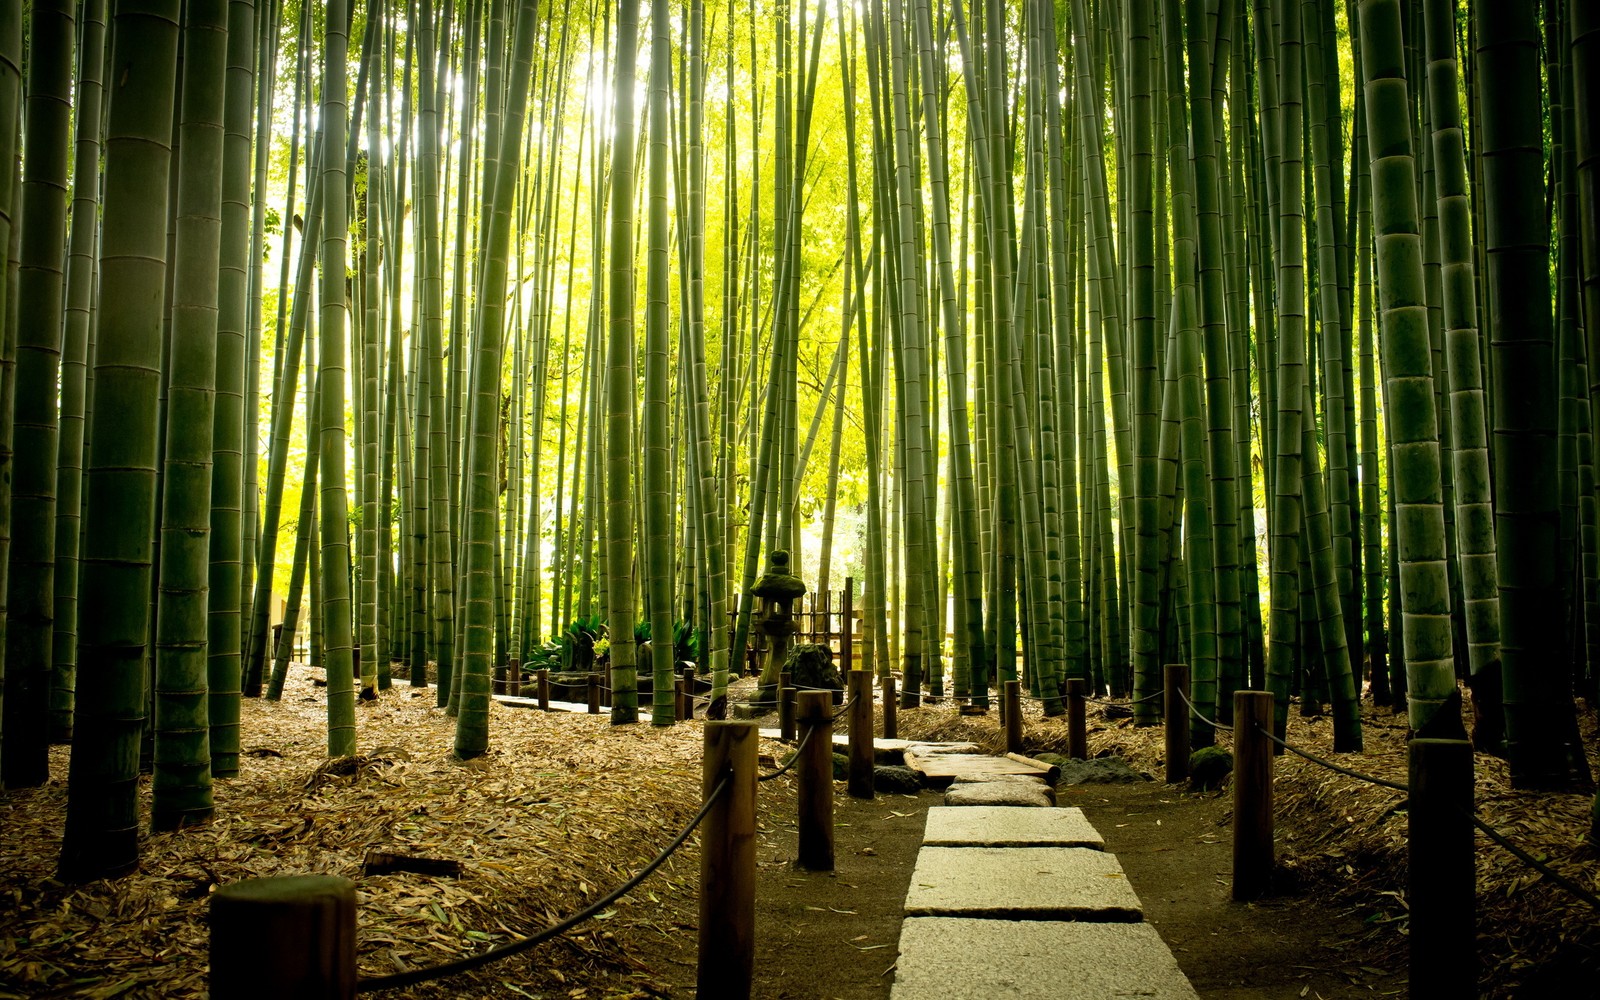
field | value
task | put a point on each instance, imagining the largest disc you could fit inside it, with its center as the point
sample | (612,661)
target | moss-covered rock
(897,780)
(1207,767)
(841,767)
(810,665)
(1052,758)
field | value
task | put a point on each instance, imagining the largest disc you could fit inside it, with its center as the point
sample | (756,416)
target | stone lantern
(777,590)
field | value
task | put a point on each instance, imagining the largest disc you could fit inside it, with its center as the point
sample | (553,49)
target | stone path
(1025,903)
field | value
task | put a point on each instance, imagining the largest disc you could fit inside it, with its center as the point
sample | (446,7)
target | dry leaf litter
(563,808)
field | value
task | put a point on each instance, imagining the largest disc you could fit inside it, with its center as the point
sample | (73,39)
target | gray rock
(999,793)
(1009,826)
(955,958)
(1104,770)
(974,779)
(1021,883)
(896,780)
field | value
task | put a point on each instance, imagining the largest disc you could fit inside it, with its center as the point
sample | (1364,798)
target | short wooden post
(1077,731)
(1176,689)
(594,693)
(815,709)
(1442,879)
(891,727)
(284,937)
(1013,720)
(847,631)
(514,677)
(786,713)
(1252,794)
(688,692)
(728,863)
(860,682)
(277,637)
(542,687)
(678,699)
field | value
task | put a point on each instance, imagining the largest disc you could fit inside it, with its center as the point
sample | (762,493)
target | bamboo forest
(449,447)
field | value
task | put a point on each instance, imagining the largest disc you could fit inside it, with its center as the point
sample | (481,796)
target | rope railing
(800,747)
(1483,826)
(1330,765)
(414,976)
(1194,711)
(1152,696)
(793,759)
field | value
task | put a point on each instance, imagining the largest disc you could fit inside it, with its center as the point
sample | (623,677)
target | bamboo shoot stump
(284,937)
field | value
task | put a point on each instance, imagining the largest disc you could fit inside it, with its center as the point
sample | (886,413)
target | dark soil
(1177,850)
(835,935)
(819,935)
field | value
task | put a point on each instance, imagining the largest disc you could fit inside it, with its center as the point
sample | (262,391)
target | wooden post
(860,733)
(514,677)
(1442,879)
(786,713)
(678,699)
(1013,716)
(594,693)
(728,863)
(1077,732)
(1252,794)
(542,687)
(688,692)
(816,781)
(277,637)
(1176,678)
(891,728)
(847,636)
(284,937)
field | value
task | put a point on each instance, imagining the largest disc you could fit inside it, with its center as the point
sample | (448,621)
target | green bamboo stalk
(42,222)
(1415,475)
(88,124)
(101,835)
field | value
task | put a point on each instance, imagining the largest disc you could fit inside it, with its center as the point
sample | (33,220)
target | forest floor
(566,806)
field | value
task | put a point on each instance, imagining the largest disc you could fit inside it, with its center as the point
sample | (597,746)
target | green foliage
(686,642)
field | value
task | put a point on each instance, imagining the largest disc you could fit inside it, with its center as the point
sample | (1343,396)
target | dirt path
(834,936)
(1177,851)
(821,935)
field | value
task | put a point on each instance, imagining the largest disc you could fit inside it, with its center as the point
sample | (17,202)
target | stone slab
(1028,779)
(1010,826)
(952,958)
(1021,883)
(978,794)
(949,766)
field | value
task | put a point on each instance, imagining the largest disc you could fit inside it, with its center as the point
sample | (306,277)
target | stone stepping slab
(947,766)
(1016,790)
(1010,826)
(1021,883)
(954,958)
